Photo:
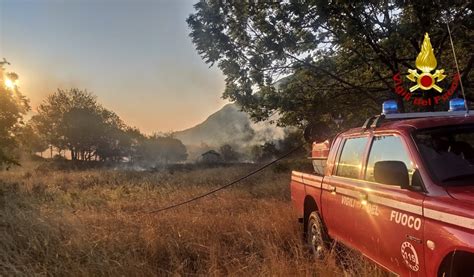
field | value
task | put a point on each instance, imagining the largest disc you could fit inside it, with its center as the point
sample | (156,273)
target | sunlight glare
(9,84)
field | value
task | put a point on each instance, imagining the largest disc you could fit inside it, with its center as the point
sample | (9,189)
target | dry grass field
(95,222)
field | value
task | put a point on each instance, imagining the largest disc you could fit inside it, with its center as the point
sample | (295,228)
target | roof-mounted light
(389,107)
(457,104)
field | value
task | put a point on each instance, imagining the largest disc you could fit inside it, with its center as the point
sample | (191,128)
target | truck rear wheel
(317,237)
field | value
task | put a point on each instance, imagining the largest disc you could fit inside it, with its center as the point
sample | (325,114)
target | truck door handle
(415,239)
(330,189)
(363,196)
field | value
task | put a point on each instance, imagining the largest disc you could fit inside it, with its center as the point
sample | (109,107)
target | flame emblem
(426,62)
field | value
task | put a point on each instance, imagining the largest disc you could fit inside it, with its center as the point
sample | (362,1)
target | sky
(136,56)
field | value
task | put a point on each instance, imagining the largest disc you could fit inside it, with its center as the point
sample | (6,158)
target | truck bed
(303,184)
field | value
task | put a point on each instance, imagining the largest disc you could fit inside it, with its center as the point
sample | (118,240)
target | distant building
(210,157)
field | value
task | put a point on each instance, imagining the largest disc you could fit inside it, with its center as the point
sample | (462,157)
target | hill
(231,126)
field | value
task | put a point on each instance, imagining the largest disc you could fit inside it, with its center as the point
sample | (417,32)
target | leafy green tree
(75,121)
(53,113)
(13,106)
(312,60)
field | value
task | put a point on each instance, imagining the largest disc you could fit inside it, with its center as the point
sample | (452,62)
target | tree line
(72,124)
(72,120)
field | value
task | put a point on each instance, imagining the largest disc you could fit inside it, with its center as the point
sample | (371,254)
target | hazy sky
(135,55)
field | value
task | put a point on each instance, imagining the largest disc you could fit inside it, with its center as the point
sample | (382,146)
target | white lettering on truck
(406,220)
(372,209)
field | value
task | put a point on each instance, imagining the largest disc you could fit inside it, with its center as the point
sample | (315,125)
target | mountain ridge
(229,125)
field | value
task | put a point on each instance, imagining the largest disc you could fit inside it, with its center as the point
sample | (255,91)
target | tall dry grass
(95,222)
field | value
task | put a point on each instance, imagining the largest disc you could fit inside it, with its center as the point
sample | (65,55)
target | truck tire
(317,238)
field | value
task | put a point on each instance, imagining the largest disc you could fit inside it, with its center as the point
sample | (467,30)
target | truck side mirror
(391,173)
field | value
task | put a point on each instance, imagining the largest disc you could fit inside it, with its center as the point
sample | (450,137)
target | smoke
(229,126)
(266,131)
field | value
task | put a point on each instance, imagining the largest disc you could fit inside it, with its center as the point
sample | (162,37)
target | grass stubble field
(96,222)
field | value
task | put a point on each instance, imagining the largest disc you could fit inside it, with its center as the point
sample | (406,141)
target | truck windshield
(448,153)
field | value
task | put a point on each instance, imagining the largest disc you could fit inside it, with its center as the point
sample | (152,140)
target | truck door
(339,200)
(393,220)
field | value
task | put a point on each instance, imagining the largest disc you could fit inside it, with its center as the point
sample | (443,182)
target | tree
(114,141)
(172,149)
(292,140)
(75,121)
(335,56)
(135,141)
(54,118)
(228,153)
(30,139)
(265,152)
(13,106)
(158,149)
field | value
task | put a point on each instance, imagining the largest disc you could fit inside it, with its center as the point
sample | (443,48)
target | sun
(9,83)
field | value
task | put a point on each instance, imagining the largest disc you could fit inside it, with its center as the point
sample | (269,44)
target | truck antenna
(457,68)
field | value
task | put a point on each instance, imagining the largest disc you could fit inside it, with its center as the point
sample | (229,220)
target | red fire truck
(399,189)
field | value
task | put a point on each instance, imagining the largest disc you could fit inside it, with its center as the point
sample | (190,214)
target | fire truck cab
(399,189)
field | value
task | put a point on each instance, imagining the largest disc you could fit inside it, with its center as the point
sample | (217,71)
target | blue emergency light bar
(457,104)
(457,107)
(390,107)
